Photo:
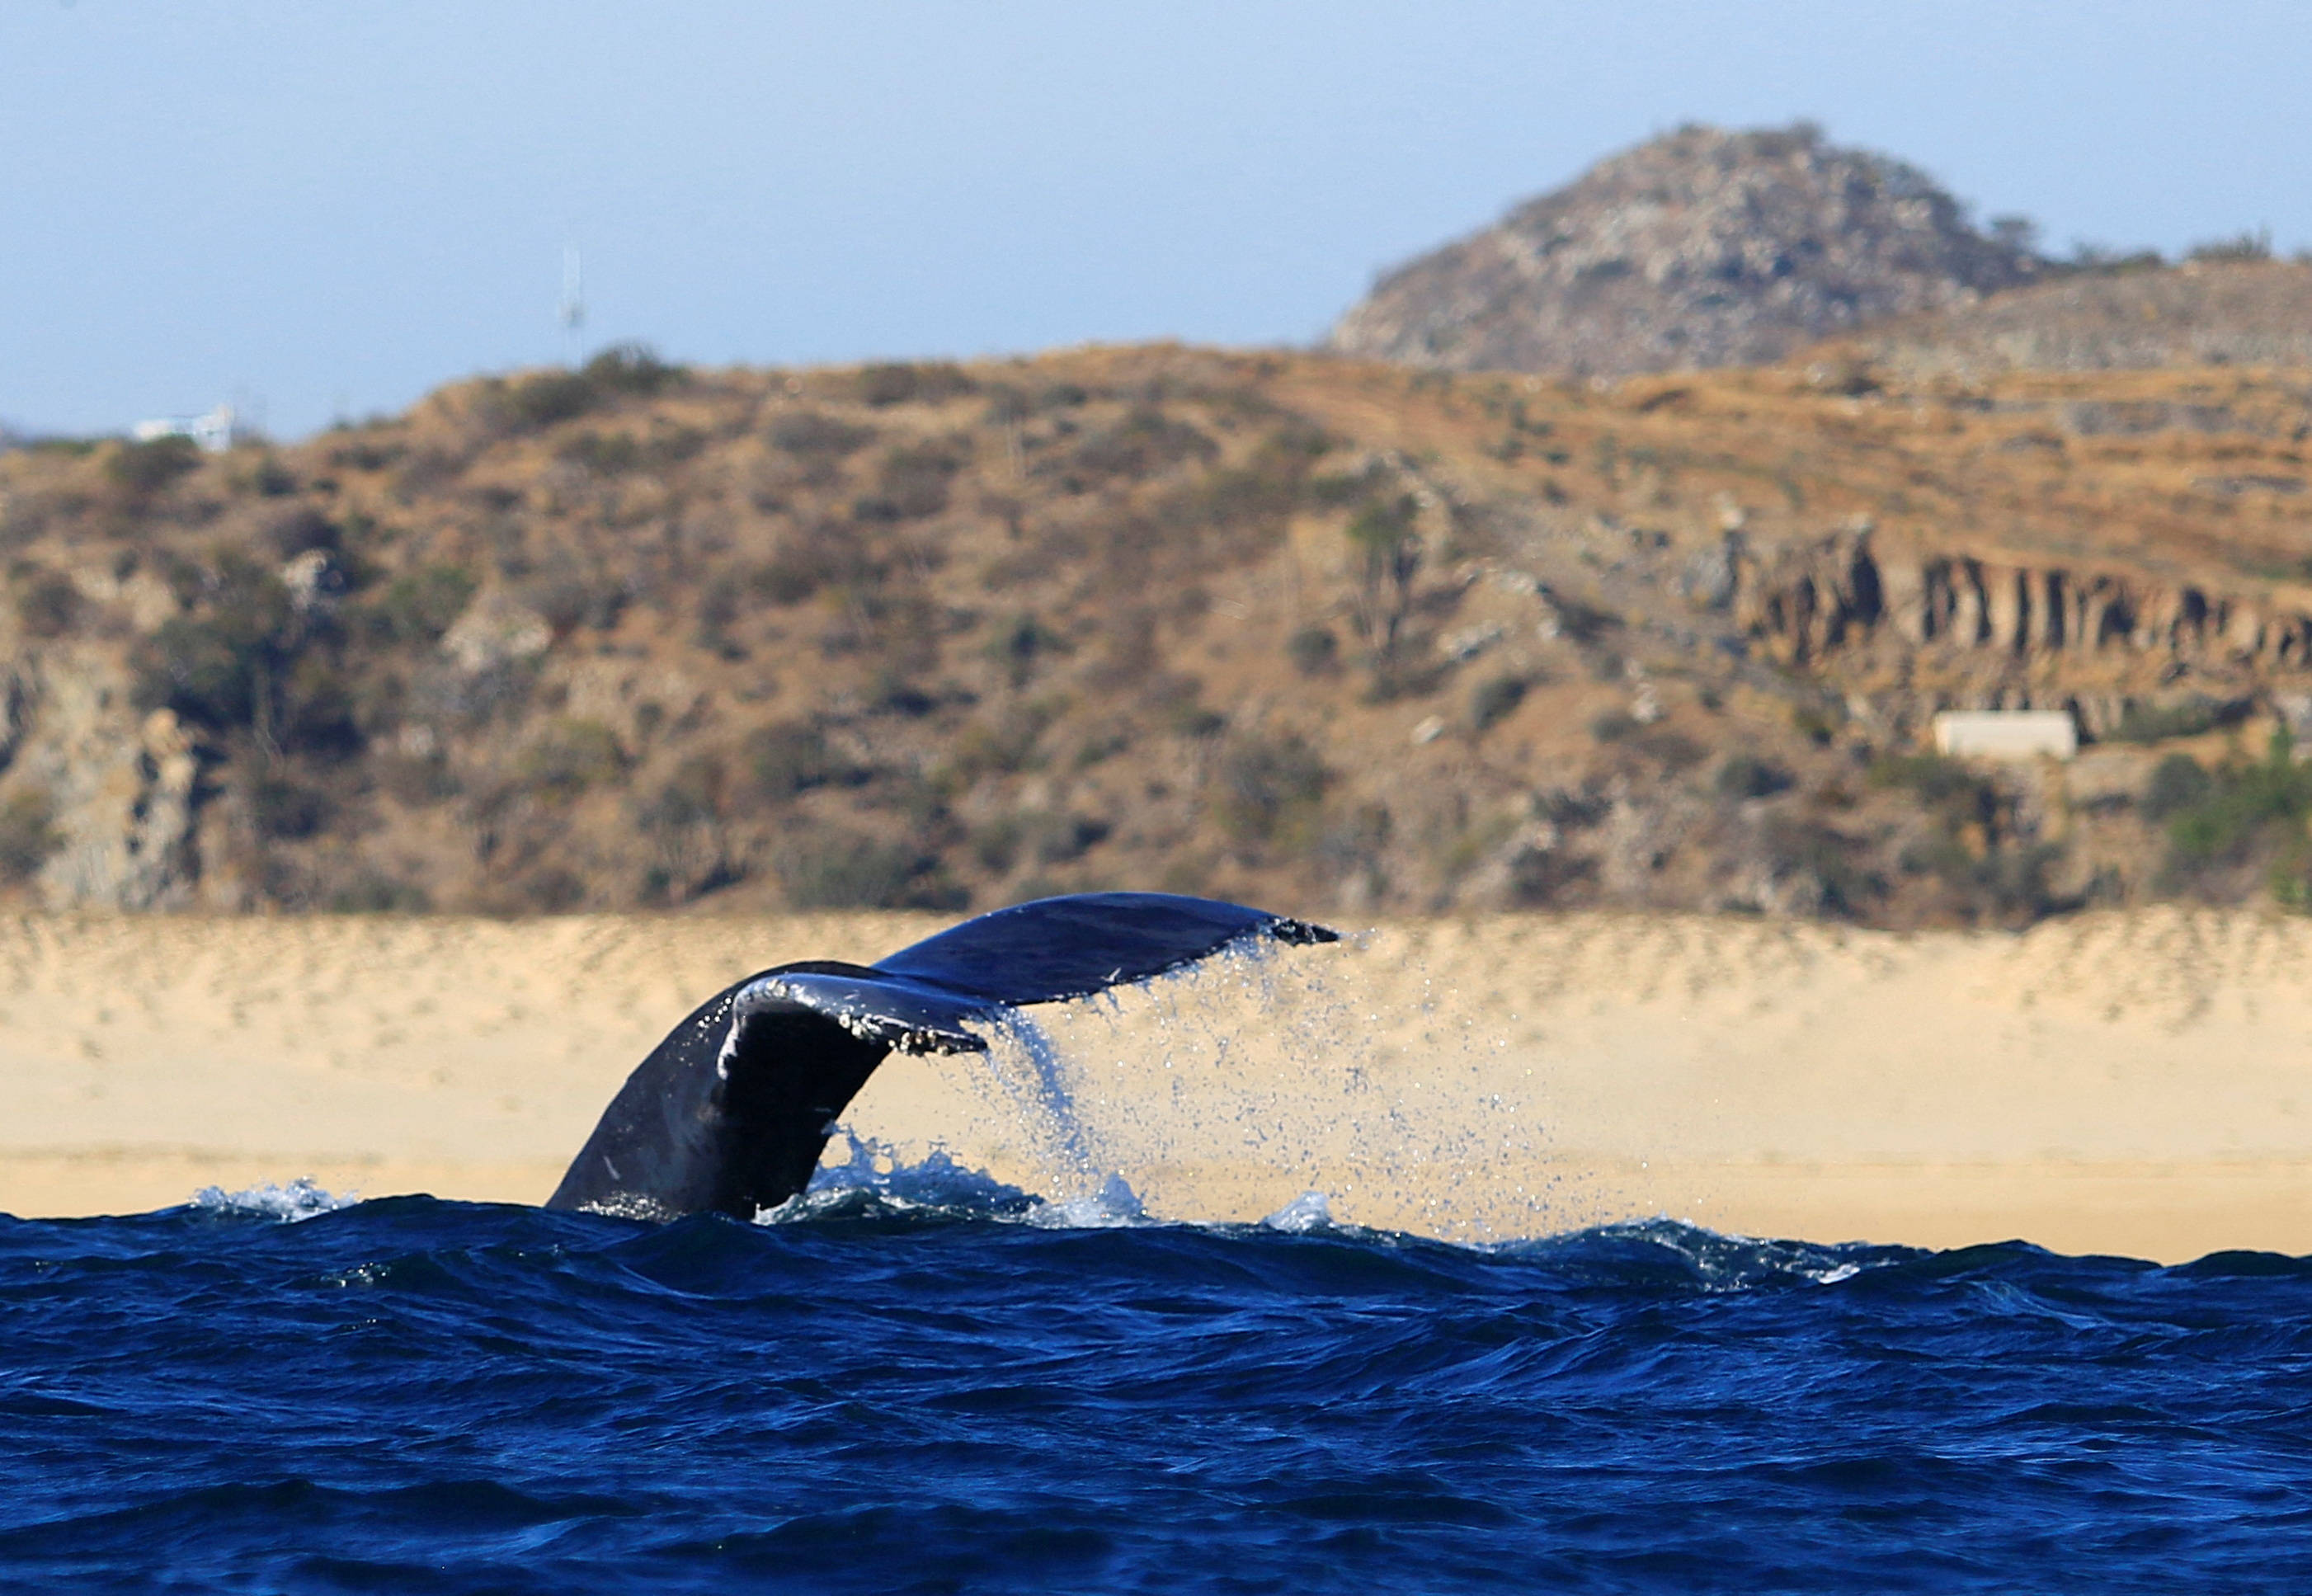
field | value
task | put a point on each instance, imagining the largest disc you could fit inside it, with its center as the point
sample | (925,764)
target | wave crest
(301,1199)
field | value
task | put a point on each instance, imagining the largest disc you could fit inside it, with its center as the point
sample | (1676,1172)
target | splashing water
(1225,1091)
(1310,1211)
(301,1199)
(1030,1068)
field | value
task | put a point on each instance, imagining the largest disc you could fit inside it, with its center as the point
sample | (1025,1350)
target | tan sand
(2128,1083)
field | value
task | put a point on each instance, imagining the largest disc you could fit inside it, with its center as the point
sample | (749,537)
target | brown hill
(1322,633)
(1704,248)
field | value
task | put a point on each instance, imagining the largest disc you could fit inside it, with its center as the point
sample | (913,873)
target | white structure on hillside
(2007,734)
(214,432)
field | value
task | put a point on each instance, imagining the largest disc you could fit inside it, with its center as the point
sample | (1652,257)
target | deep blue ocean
(935,1386)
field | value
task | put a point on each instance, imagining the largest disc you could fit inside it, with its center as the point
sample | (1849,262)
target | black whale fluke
(729,1113)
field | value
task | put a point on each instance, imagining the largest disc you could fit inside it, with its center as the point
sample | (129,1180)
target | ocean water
(923,1381)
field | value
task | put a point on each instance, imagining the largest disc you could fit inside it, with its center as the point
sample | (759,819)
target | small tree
(1383,534)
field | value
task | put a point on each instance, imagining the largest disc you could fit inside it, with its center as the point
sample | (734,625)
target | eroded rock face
(1806,601)
(1704,248)
(121,787)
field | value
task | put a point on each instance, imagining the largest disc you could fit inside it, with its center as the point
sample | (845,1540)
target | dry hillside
(1329,635)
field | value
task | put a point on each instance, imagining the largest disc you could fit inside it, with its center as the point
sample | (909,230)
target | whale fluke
(729,1113)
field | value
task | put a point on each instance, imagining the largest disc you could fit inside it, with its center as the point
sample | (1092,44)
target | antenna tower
(572,310)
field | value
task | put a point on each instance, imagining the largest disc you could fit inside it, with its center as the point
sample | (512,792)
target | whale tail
(729,1114)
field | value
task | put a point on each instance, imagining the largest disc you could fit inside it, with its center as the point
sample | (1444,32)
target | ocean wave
(300,1200)
(917,1376)
(874,1181)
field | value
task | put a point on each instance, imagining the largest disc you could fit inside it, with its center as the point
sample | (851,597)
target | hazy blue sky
(331,207)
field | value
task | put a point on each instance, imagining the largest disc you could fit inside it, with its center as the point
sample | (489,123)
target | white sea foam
(300,1200)
(1114,1204)
(1310,1211)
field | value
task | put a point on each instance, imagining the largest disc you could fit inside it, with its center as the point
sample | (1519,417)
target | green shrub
(1495,700)
(840,869)
(28,835)
(421,606)
(822,555)
(49,605)
(1800,847)
(1382,534)
(546,399)
(1817,725)
(2178,782)
(1270,785)
(1060,838)
(785,757)
(1004,746)
(605,454)
(1747,776)
(692,796)
(2245,810)
(2007,883)
(315,712)
(630,368)
(147,468)
(912,482)
(221,668)
(272,479)
(1613,726)
(286,810)
(2252,247)
(2187,717)
(1989,872)
(1942,783)
(1670,749)
(1313,650)
(1188,718)
(567,598)
(570,756)
(548,890)
(900,383)
(1008,404)
(1020,645)
(1380,530)
(997,845)
(1144,443)
(301,530)
(816,436)
(372,893)
(1545,878)
(366,456)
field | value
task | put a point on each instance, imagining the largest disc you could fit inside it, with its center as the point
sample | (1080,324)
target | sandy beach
(2128,1083)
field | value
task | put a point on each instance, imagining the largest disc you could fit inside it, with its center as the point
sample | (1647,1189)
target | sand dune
(2134,1084)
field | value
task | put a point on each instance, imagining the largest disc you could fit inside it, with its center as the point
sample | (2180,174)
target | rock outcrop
(120,784)
(1704,248)
(1806,601)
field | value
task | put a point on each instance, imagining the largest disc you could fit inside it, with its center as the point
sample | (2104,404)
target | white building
(2006,734)
(214,432)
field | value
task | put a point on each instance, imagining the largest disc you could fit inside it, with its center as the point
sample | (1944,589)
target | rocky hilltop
(1331,636)
(1704,248)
